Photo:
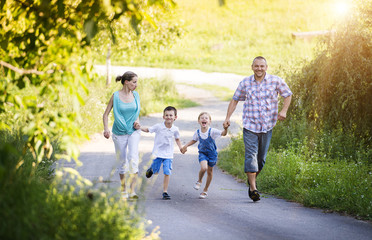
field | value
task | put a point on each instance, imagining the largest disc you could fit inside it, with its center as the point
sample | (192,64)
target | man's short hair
(259,58)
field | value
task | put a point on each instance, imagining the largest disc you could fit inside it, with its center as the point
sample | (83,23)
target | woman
(125,130)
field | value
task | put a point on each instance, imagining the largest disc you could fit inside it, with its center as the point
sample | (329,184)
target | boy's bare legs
(166,183)
(209,178)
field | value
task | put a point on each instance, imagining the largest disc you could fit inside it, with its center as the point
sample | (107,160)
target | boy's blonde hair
(202,113)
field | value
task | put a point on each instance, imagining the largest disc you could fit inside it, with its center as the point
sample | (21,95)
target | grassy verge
(296,174)
(226,39)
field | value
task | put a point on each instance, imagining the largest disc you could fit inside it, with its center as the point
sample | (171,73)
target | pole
(108,65)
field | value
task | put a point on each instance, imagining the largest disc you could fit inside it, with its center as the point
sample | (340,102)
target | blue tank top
(207,146)
(125,114)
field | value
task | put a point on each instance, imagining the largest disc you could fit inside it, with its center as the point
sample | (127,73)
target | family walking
(259,92)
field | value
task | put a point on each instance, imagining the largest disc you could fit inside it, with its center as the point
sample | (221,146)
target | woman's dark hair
(127,76)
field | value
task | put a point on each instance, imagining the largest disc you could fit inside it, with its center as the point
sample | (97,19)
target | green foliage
(231,159)
(41,45)
(300,175)
(38,205)
(156,94)
(334,91)
(227,38)
(44,74)
(341,186)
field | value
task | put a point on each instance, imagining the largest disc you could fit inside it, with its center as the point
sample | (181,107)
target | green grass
(299,175)
(226,39)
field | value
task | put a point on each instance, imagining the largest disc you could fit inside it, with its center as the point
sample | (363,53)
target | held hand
(226,124)
(282,115)
(136,125)
(106,134)
(183,150)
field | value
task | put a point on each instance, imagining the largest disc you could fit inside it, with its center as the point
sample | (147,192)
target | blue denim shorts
(167,165)
(256,147)
(212,160)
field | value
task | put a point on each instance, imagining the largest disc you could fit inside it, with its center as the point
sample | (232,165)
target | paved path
(227,213)
(228,80)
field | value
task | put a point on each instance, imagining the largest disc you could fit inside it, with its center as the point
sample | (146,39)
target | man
(260,113)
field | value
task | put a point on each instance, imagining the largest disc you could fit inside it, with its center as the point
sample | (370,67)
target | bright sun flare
(341,8)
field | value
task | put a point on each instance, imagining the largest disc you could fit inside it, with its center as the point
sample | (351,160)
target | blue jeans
(256,146)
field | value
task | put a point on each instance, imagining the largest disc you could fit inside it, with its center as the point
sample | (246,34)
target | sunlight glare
(342,8)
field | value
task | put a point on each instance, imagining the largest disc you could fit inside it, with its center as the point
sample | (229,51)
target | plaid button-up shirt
(260,110)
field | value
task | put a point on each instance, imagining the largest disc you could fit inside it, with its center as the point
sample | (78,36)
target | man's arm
(224,132)
(230,110)
(283,113)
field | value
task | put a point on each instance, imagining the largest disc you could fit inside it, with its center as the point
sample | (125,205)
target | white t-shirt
(164,143)
(215,133)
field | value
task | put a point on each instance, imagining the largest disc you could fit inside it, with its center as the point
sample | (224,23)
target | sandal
(203,195)
(197,185)
(124,195)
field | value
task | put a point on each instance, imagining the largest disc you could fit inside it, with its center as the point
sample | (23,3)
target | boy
(163,146)
(207,150)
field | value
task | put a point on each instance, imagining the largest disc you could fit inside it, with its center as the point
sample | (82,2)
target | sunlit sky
(341,8)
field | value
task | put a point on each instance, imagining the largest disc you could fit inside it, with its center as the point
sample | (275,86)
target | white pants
(126,148)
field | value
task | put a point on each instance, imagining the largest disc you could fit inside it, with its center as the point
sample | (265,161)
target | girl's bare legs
(209,178)
(203,169)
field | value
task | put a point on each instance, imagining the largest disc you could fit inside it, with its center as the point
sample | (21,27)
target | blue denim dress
(207,149)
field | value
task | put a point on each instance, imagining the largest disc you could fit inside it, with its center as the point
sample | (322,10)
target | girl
(207,149)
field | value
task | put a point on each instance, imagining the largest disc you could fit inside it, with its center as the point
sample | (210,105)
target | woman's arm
(106,131)
(136,124)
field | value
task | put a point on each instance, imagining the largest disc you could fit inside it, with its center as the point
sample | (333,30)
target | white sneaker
(133,195)
(197,185)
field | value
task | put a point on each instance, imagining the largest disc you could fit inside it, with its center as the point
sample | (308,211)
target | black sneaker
(166,196)
(255,195)
(149,173)
(249,190)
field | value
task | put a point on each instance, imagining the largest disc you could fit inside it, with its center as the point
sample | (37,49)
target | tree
(41,44)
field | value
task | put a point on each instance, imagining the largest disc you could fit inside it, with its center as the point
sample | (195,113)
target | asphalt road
(227,213)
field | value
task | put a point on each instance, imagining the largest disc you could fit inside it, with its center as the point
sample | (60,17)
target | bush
(38,206)
(339,186)
(334,91)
